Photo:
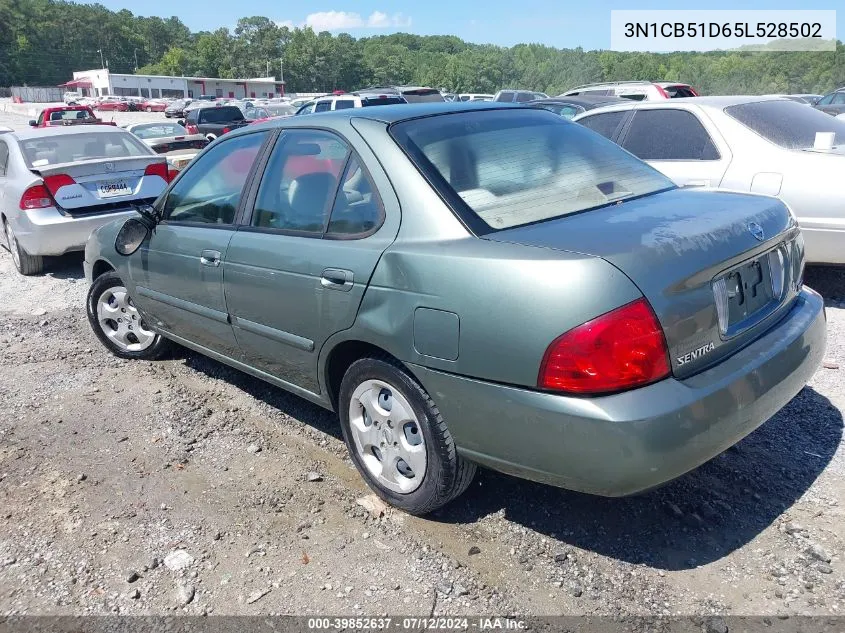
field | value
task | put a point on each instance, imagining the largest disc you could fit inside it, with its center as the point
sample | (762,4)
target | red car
(67,115)
(115,105)
(153,105)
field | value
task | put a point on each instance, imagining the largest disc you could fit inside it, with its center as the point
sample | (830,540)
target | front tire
(25,263)
(397,438)
(117,322)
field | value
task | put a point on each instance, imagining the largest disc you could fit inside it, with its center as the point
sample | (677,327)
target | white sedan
(757,144)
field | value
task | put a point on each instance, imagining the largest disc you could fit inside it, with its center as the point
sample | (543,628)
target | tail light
(171,174)
(620,350)
(192,129)
(57,181)
(694,92)
(662,92)
(157,169)
(36,197)
(225,130)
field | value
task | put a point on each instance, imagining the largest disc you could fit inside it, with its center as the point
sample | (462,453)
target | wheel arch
(100,267)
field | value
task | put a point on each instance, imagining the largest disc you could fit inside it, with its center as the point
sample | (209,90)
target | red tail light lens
(36,197)
(662,92)
(619,350)
(192,129)
(157,169)
(57,181)
(225,130)
(171,174)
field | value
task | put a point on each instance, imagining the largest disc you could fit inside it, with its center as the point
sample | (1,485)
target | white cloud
(287,23)
(340,20)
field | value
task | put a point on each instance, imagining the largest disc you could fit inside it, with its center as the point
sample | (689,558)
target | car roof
(714,103)
(581,99)
(65,131)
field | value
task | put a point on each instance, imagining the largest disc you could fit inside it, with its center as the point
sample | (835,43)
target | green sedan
(471,284)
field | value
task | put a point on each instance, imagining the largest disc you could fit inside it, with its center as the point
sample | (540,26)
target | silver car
(58,185)
(757,144)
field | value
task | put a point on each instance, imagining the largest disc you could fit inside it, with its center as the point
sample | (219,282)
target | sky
(560,23)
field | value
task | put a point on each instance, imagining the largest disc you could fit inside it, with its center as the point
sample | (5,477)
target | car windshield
(69,148)
(513,168)
(159,130)
(786,123)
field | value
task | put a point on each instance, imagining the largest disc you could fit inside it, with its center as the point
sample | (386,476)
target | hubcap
(13,245)
(120,321)
(387,436)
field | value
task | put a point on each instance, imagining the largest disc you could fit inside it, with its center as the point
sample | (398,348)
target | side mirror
(131,235)
(33,122)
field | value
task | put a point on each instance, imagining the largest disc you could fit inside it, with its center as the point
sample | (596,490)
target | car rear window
(786,123)
(524,97)
(221,114)
(381,100)
(420,95)
(675,92)
(159,130)
(509,168)
(69,148)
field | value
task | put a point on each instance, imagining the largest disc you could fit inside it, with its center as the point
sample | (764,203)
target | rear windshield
(422,94)
(679,91)
(222,114)
(71,115)
(69,148)
(376,101)
(786,123)
(509,168)
(159,130)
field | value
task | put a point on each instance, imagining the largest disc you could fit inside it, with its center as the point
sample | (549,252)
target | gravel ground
(184,486)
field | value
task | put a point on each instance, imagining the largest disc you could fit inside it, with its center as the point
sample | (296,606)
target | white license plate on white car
(113,188)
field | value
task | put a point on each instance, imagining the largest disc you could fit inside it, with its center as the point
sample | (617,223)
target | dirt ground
(184,486)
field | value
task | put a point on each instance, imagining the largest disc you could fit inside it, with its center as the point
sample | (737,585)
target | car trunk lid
(101,184)
(701,258)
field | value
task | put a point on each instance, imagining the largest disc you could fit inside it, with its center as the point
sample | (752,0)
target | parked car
(60,184)
(474,96)
(170,139)
(113,104)
(806,99)
(756,144)
(832,103)
(272,111)
(67,115)
(176,110)
(72,98)
(213,121)
(153,105)
(636,90)
(301,101)
(569,107)
(348,260)
(411,94)
(354,100)
(518,96)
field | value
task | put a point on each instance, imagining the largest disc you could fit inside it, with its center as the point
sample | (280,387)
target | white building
(101,82)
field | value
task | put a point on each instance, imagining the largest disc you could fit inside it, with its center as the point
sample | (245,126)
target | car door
(4,168)
(298,269)
(178,272)
(677,143)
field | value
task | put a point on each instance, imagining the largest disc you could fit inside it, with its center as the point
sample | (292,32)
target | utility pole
(102,63)
(268,68)
(136,60)
(281,70)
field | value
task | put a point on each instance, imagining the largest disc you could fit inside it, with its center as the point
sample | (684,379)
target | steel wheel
(387,436)
(13,245)
(120,321)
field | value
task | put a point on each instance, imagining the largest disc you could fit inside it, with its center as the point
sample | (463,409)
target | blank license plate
(112,188)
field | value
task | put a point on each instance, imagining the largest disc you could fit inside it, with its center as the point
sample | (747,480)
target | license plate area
(749,292)
(113,188)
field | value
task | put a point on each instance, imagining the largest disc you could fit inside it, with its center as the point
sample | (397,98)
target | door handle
(337,279)
(210,258)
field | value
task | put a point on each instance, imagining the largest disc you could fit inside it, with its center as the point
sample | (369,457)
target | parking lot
(108,467)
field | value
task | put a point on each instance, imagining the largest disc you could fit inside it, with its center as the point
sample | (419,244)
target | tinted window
(308,108)
(785,123)
(675,92)
(210,190)
(69,148)
(357,208)
(421,95)
(669,135)
(825,100)
(523,97)
(377,101)
(323,106)
(159,130)
(505,96)
(343,104)
(604,124)
(562,109)
(4,158)
(511,168)
(596,93)
(839,98)
(300,182)
(223,114)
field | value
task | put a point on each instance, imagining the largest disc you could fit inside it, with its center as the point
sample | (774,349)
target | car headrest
(309,193)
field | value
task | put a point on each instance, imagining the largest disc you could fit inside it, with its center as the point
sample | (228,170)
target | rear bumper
(48,232)
(625,443)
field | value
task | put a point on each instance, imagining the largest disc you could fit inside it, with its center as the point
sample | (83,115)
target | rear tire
(25,263)
(149,109)
(118,324)
(397,438)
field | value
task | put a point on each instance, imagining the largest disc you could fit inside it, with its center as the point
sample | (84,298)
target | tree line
(43,41)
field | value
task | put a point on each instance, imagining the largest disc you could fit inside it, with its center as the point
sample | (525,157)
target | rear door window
(839,98)
(323,106)
(343,104)
(669,135)
(605,124)
(4,158)
(786,123)
(676,92)
(505,96)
